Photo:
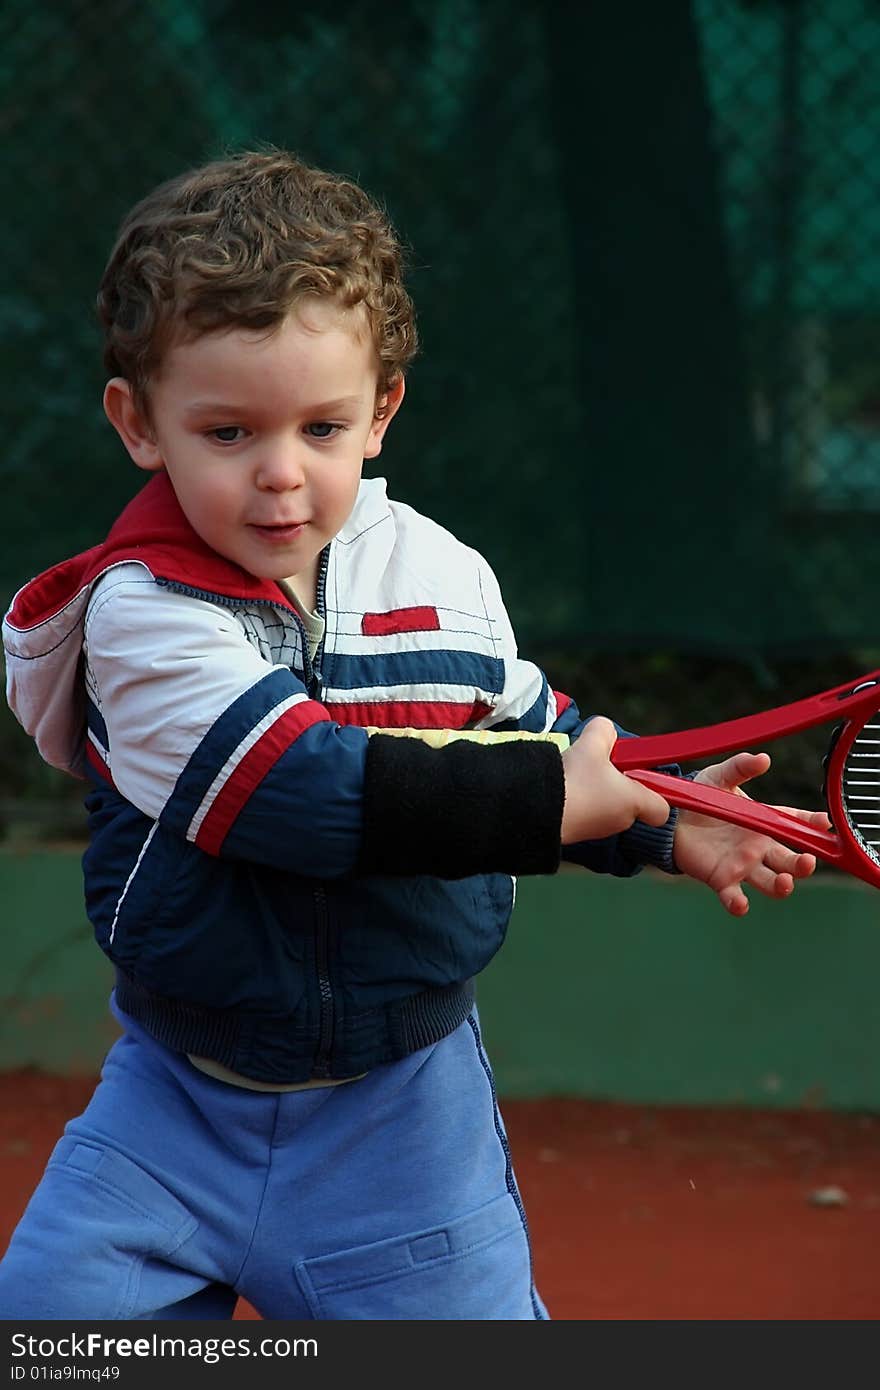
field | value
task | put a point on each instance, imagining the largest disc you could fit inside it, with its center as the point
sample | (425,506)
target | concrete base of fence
(640,990)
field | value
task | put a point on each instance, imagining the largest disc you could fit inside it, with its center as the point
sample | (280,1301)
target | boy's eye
(322,429)
(227,434)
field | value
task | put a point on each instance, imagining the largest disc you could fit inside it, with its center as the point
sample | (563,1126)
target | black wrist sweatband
(462,809)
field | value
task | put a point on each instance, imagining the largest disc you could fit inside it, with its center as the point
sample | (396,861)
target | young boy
(299,1109)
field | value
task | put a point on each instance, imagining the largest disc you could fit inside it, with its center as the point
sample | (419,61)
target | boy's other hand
(599,800)
(725,857)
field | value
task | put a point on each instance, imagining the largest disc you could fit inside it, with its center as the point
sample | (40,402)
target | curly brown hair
(239,241)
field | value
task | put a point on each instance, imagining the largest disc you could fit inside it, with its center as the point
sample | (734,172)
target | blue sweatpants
(391,1197)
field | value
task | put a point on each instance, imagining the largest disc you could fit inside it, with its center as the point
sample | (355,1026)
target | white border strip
(235,758)
(98,746)
(128,882)
(408,694)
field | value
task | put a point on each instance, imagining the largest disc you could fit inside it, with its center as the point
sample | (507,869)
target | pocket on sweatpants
(109,1191)
(96,1222)
(475,1267)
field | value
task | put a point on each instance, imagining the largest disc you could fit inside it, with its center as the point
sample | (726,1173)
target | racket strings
(860,791)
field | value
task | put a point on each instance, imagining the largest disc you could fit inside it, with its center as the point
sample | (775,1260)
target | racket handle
(741,811)
(688,745)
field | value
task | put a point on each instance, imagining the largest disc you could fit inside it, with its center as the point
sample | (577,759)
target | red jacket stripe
(96,762)
(400,620)
(254,766)
(409,714)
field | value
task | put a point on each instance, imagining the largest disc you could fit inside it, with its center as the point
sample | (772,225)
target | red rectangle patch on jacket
(400,620)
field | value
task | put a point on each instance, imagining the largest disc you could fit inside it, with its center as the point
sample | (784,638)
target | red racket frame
(853,702)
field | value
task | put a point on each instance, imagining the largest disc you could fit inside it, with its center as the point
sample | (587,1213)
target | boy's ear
(130,424)
(386,407)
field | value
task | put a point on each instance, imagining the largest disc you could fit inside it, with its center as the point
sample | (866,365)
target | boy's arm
(722,856)
(219,746)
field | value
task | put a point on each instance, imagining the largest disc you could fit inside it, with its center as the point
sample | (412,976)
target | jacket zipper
(321,1065)
(327,1007)
(316,675)
(311,669)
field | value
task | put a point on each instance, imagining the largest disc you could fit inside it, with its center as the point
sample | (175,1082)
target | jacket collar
(153,531)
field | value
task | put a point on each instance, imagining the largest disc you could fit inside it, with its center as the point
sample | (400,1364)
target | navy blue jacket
(280,889)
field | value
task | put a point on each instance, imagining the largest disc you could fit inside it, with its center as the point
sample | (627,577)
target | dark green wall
(645,990)
(641,990)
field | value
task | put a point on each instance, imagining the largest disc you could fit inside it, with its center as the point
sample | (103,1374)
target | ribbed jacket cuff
(654,845)
(462,809)
(651,844)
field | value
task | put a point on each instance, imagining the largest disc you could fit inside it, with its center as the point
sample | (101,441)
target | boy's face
(263,435)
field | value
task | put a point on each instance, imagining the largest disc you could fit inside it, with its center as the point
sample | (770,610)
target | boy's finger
(771,883)
(651,808)
(601,735)
(734,900)
(820,820)
(788,861)
(736,770)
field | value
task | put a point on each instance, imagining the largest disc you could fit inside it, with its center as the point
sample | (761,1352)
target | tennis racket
(852,770)
(852,773)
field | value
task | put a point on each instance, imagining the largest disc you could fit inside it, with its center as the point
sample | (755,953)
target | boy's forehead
(316,341)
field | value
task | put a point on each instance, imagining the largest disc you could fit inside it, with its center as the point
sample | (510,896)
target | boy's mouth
(279,531)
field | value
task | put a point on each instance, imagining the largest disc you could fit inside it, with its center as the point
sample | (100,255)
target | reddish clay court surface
(635,1212)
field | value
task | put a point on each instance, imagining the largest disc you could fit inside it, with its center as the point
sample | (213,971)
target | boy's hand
(725,856)
(599,800)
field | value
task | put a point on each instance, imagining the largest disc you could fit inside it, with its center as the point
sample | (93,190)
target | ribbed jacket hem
(282,1050)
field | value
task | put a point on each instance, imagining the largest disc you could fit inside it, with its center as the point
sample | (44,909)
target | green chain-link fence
(795,96)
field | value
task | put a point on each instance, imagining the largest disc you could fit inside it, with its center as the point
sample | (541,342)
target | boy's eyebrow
(232,408)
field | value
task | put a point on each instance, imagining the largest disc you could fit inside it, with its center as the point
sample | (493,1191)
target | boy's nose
(280,468)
